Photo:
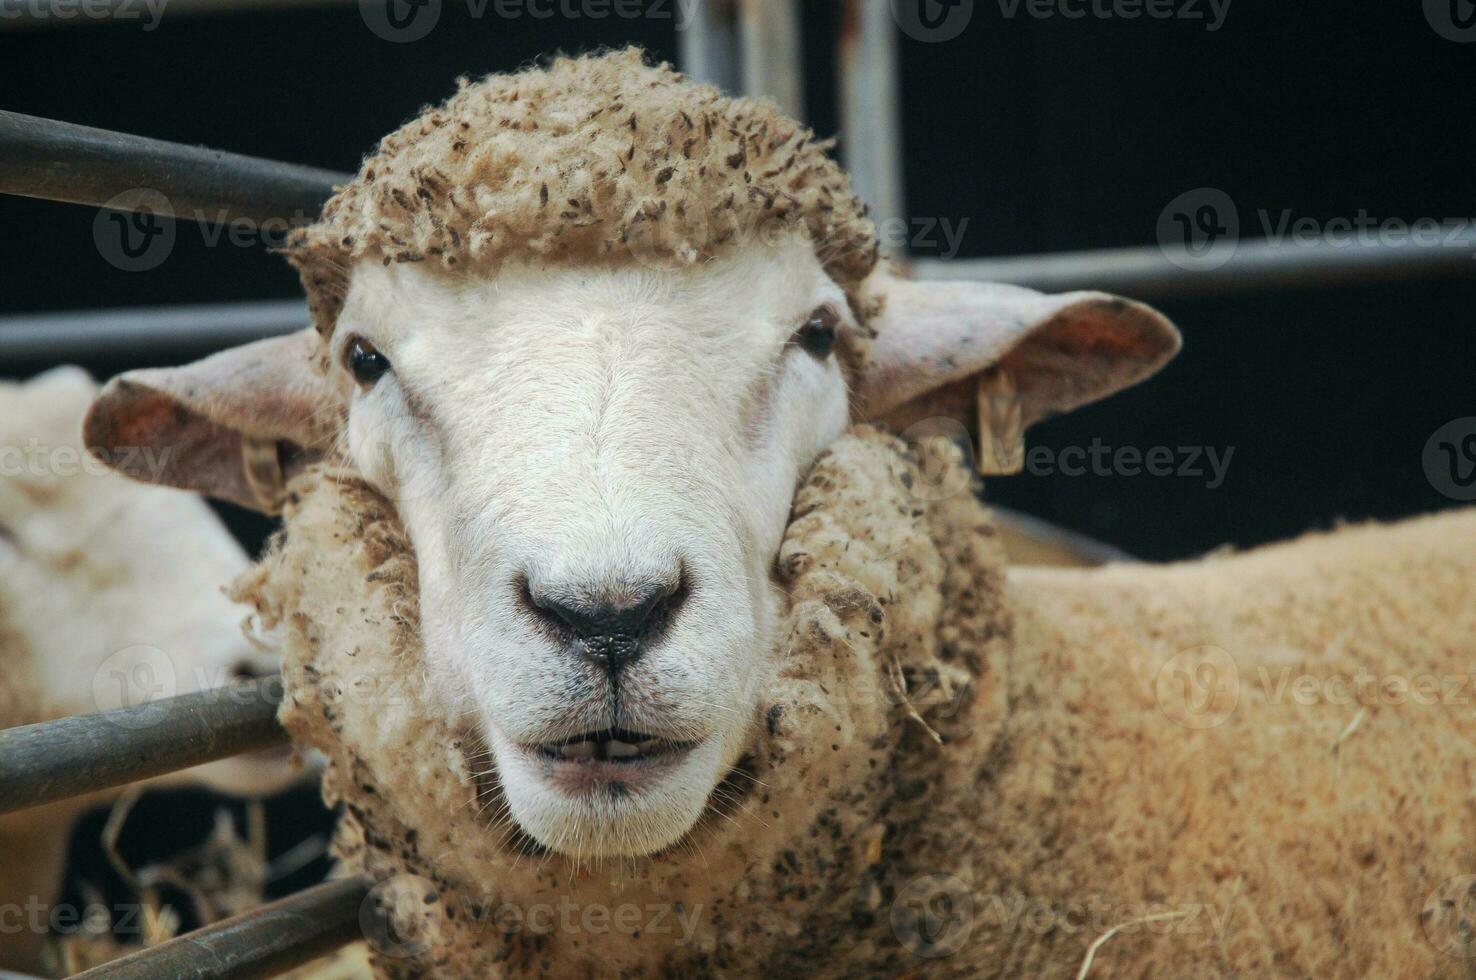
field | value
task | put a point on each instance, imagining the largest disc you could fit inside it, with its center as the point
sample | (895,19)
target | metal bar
(1257,265)
(870,119)
(59,161)
(145,333)
(770,53)
(1079,547)
(1146,273)
(708,48)
(55,760)
(259,943)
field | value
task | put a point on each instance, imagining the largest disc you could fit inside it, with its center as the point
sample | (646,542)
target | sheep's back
(1278,744)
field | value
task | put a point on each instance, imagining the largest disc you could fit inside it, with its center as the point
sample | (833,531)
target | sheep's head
(593,441)
(117,587)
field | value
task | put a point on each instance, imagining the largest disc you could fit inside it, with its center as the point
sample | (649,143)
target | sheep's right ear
(938,342)
(222,425)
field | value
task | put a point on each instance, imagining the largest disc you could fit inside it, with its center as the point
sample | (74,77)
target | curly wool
(1064,798)
(593,159)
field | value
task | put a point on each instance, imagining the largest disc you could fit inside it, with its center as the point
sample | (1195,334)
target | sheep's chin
(648,813)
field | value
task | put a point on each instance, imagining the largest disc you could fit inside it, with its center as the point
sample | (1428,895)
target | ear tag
(1001,425)
(262,464)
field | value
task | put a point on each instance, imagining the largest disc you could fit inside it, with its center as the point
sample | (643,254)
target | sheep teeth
(605,746)
(578,750)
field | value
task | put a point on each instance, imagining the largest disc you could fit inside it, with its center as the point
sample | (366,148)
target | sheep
(939,727)
(103,582)
(556,612)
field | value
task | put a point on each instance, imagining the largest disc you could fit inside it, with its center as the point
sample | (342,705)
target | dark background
(1045,134)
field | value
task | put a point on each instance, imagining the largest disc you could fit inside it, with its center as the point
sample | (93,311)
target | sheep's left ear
(227,426)
(935,339)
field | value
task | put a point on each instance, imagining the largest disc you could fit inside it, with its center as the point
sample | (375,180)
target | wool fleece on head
(591,160)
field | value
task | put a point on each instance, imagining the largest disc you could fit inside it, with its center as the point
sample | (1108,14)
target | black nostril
(613,626)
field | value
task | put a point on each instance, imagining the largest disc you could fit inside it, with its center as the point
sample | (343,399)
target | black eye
(817,334)
(367,364)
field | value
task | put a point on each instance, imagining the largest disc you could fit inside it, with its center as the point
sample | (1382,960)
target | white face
(596,511)
(114,587)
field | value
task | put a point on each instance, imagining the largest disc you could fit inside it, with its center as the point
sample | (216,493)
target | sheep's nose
(613,627)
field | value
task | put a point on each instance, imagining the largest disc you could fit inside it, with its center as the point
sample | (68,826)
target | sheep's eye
(367,364)
(817,334)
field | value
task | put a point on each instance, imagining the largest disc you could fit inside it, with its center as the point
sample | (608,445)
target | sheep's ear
(222,425)
(935,339)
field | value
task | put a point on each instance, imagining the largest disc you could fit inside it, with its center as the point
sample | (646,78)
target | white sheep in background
(104,584)
(588,328)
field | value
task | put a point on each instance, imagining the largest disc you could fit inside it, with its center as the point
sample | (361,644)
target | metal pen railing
(46,159)
(60,161)
(85,754)
(67,757)
(260,943)
(1256,266)
(144,332)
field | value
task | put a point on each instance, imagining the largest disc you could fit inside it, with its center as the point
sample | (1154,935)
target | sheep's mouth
(611,778)
(612,745)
